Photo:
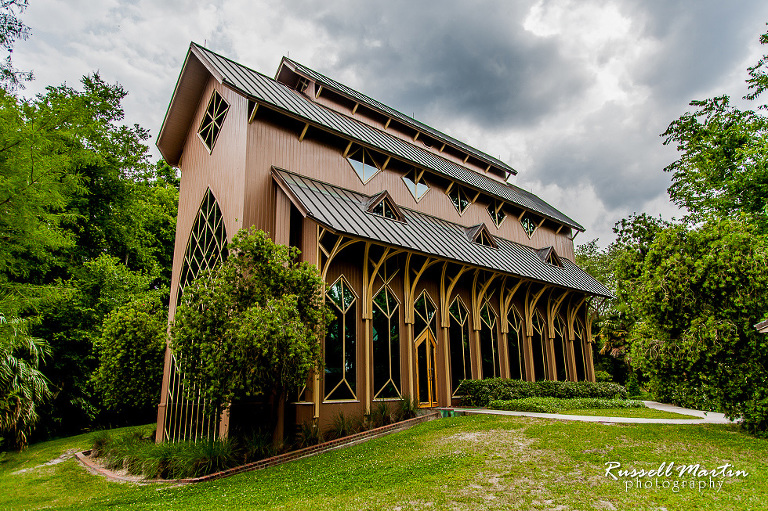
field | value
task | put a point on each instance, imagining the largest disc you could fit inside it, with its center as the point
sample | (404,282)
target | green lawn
(472,462)
(645,413)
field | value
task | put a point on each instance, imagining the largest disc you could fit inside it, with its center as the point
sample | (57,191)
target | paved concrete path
(705,417)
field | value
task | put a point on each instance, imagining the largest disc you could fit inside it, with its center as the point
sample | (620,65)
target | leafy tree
(72,322)
(11,29)
(701,291)
(253,326)
(723,165)
(130,353)
(23,388)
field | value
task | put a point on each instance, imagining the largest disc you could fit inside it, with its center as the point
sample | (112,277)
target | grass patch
(471,462)
(642,413)
(557,405)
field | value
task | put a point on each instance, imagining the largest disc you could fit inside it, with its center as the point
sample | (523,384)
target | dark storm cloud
(619,152)
(699,43)
(463,59)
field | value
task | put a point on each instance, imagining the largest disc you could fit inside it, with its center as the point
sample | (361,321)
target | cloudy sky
(573,94)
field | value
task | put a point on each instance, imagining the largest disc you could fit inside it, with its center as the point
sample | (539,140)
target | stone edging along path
(363,436)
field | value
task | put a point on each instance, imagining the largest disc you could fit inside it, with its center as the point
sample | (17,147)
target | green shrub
(602,376)
(130,353)
(408,408)
(633,388)
(341,426)
(556,405)
(482,392)
(309,434)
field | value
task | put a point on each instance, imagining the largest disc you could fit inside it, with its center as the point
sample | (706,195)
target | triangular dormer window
(383,205)
(481,235)
(549,256)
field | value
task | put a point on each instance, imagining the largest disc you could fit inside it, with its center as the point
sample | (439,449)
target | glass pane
(335,292)
(459,355)
(528,226)
(347,297)
(350,352)
(333,353)
(380,301)
(380,341)
(488,352)
(538,356)
(423,373)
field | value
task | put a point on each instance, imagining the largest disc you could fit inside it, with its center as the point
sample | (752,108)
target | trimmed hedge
(482,392)
(556,405)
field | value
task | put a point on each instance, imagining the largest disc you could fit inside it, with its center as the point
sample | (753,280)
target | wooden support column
(506,371)
(163,406)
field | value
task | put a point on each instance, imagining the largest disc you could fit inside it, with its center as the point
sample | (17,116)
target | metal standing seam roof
(395,114)
(345,211)
(271,92)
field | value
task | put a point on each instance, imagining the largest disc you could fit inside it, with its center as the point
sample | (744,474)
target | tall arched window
(207,243)
(458,333)
(537,346)
(489,348)
(515,344)
(425,344)
(578,350)
(561,364)
(386,345)
(340,352)
(206,247)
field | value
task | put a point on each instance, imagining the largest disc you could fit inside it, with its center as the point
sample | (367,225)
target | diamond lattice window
(489,352)
(207,244)
(424,315)
(210,127)
(340,352)
(386,344)
(458,333)
(515,344)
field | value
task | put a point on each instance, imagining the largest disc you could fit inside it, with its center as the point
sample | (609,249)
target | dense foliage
(22,386)
(86,225)
(130,353)
(689,292)
(252,326)
(482,392)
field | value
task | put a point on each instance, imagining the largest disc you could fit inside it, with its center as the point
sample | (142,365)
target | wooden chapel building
(437,269)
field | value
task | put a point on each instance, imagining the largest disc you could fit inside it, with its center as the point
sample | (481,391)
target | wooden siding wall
(399,130)
(223,171)
(271,144)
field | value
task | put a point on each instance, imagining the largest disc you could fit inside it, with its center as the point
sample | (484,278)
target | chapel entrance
(426,381)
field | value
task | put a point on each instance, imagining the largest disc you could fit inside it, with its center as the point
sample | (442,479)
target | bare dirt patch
(61,459)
